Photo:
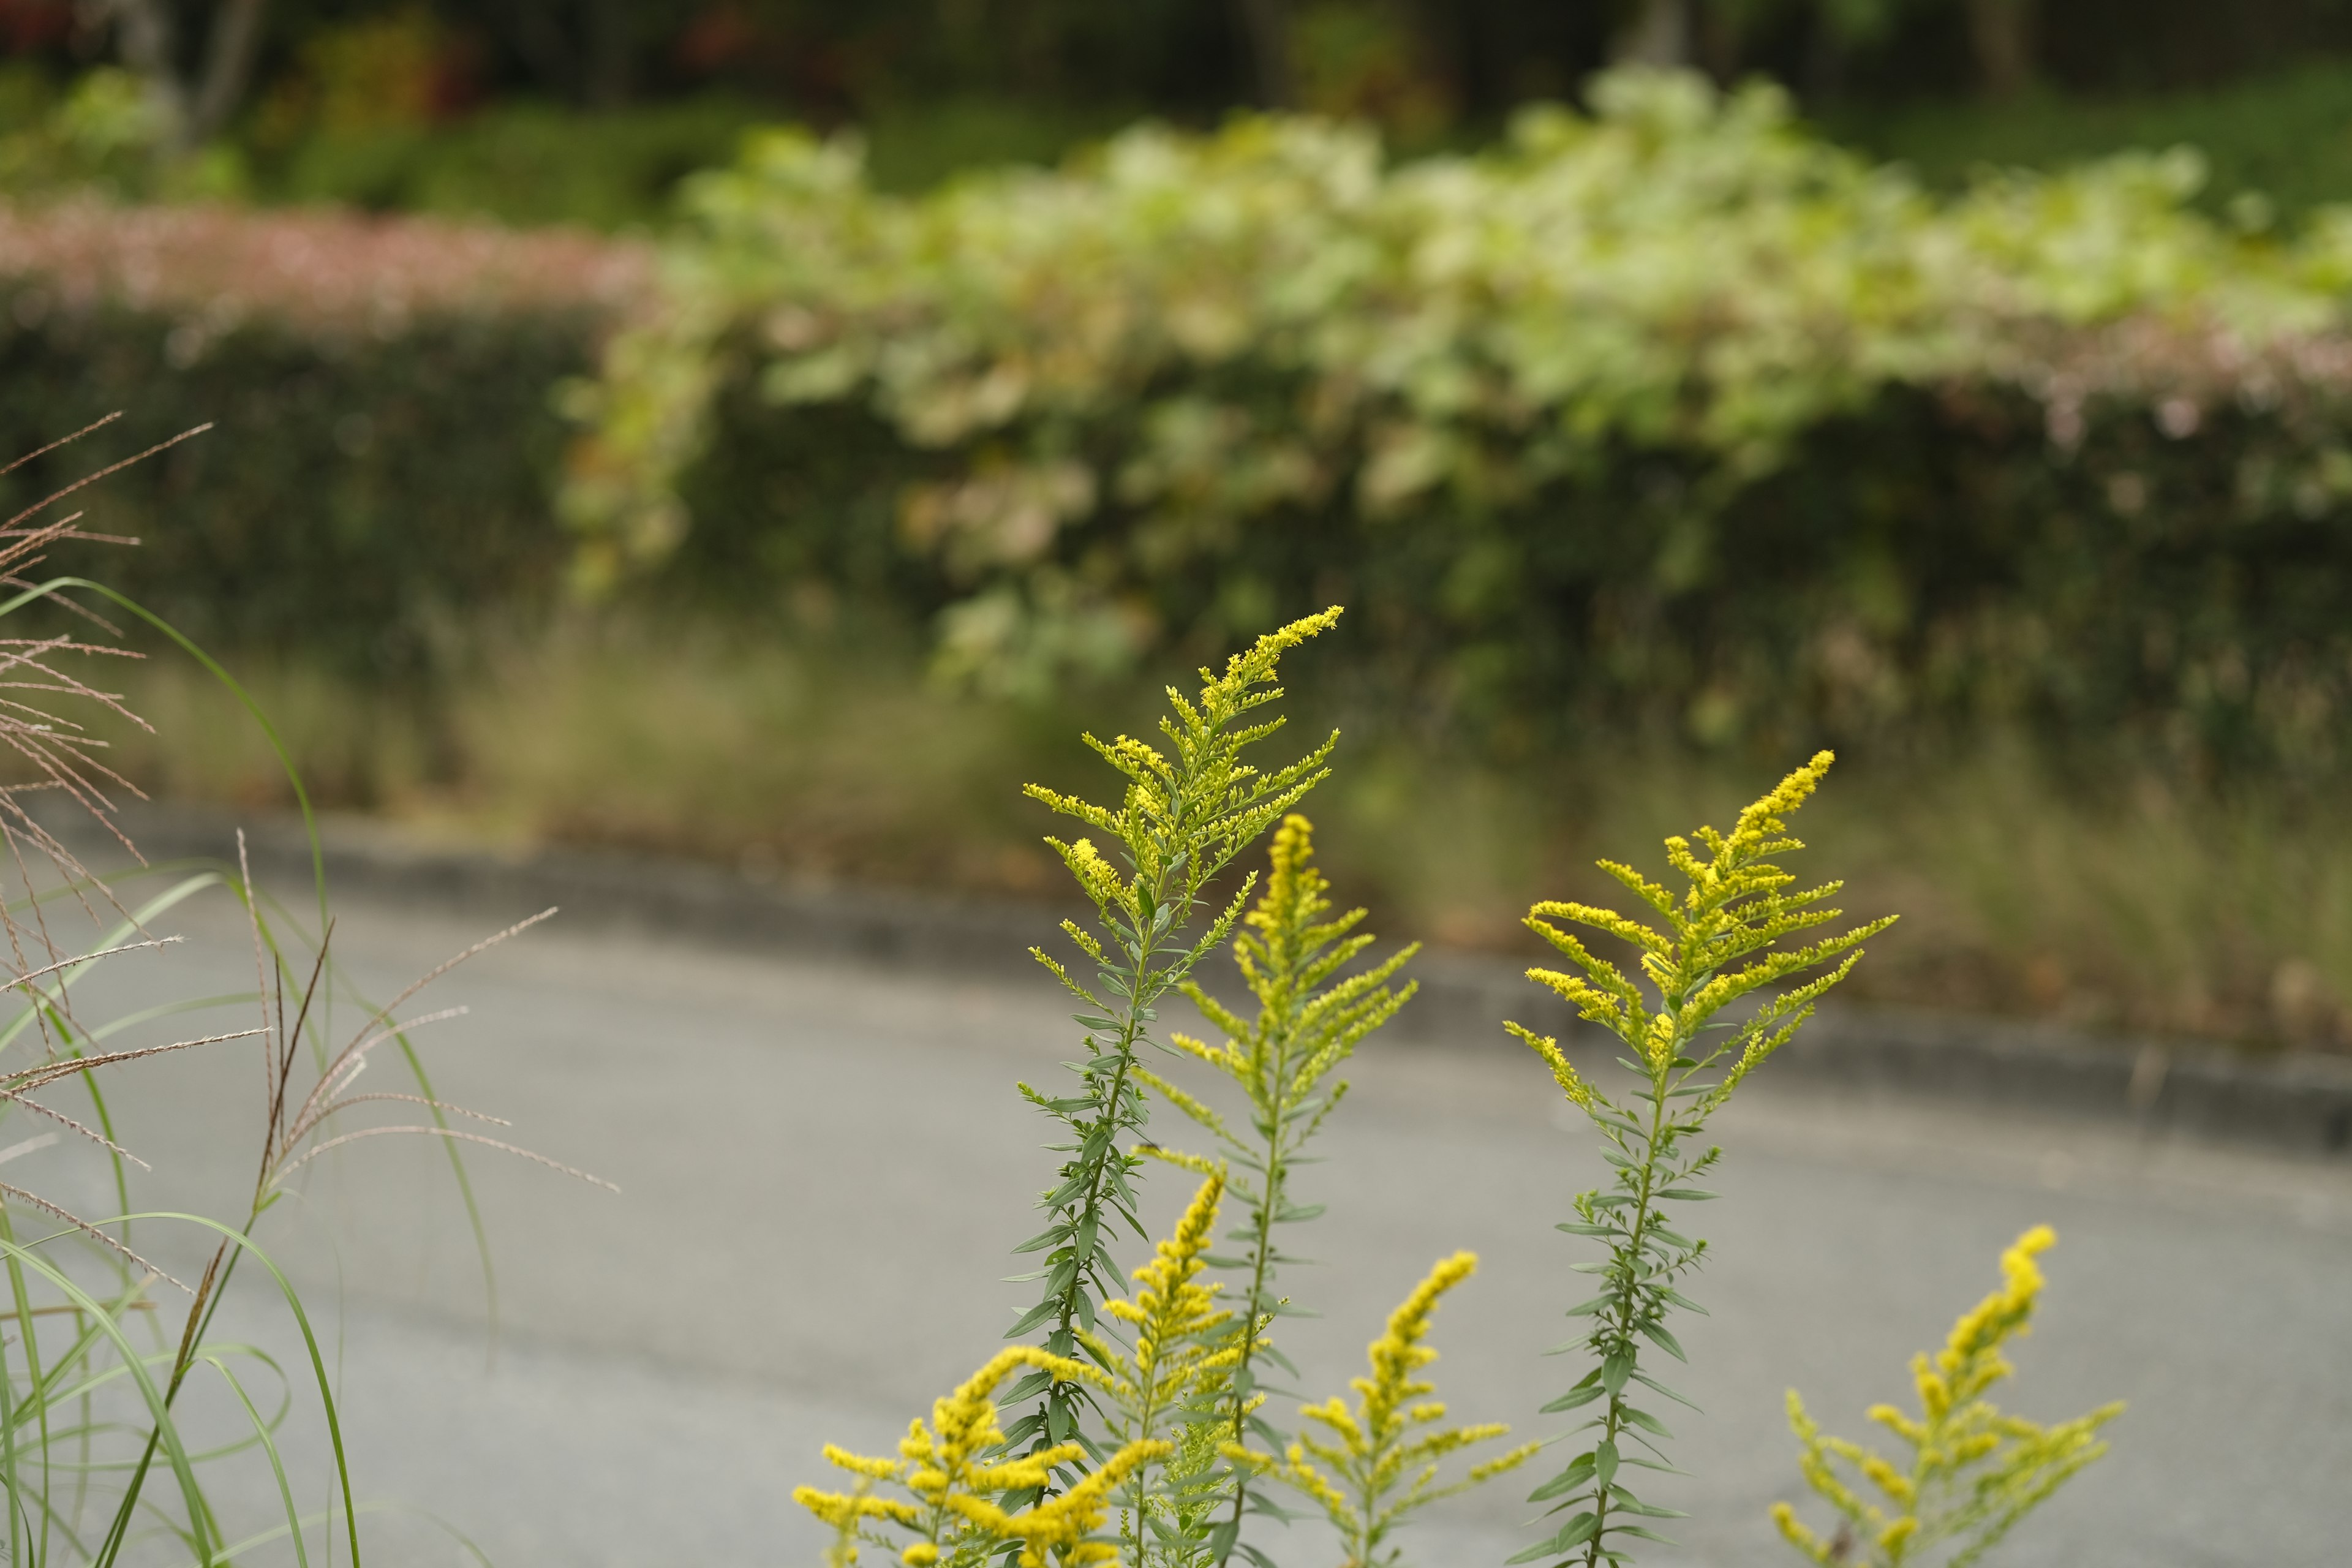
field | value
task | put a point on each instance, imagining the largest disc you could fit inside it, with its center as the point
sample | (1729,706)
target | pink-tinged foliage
(318,272)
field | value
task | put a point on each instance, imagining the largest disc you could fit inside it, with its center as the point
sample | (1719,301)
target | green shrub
(376,484)
(1674,419)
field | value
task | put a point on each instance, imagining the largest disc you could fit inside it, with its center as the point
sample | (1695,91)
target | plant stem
(1614,1422)
(1261,1260)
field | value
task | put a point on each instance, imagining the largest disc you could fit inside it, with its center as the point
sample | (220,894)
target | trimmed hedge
(1917,574)
(1674,420)
(376,486)
(2125,522)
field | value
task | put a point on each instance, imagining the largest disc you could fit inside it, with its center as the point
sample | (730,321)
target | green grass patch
(2105,896)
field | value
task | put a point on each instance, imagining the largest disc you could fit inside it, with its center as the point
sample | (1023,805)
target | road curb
(2297,1101)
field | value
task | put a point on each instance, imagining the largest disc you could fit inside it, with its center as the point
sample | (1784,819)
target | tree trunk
(2001,33)
(228,68)
(1265,25)
(147,39)
(1661,34)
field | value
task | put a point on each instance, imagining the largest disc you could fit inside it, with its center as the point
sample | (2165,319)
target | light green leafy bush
(1130,366)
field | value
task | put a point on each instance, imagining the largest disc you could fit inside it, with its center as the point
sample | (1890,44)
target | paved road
(823,1166)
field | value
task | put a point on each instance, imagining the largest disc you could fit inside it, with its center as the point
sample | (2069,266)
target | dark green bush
(1923,572)
(364,502)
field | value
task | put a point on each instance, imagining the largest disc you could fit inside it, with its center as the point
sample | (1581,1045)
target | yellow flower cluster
(1309,1022)
(948,1470)
(1381,1459)
(1176,1320)
(1189,809)
(2010,1463)
(1736,906)
(1970,1360)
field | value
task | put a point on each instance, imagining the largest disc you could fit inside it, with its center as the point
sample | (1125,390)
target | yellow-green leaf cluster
(1974,1471)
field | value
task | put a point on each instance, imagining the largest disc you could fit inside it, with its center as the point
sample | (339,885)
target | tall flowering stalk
(1166,1384)
(1715,950)
(1974,1471)
(1309,1020)
(1370,1467)
(1188,811)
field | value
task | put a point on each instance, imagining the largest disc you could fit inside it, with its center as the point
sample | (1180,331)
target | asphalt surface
(823,1168)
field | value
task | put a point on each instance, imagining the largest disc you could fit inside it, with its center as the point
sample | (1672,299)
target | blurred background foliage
(764,428)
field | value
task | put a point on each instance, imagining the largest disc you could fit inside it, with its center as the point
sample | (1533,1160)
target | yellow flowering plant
(1171,1380)
(1718,947)
(1151,1446)
(952,1473)
(1310,1019)
(1373,1465)
(1187,812)
(1974,1471)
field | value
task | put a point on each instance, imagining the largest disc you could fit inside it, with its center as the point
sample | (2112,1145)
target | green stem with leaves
(1309,1022)
(1187,812)
(1718,947)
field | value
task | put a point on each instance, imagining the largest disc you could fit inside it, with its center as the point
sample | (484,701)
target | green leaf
(1604,1462)
(1631,1504)
(1613,1371)
(1579,1472)
(1645,1377)
(1657,1333)
(1031,1318)
(1689,1195)
(1572,1399)
(1645,1421)
(1586,1309)
(1043,1239)
(1574,1533)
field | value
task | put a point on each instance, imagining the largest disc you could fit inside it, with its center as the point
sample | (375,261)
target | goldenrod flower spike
(1293,950)
(944,1468)
(1735,931)
(1167,1388)
(1189,804)
(1380,1460)
(1974,1472)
